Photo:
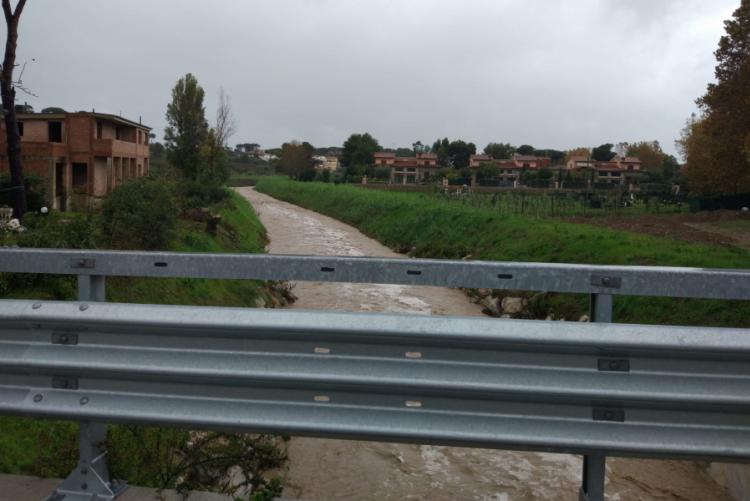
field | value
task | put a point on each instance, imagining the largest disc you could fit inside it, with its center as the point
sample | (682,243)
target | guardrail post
(594,471)
(90,480)
(594,465)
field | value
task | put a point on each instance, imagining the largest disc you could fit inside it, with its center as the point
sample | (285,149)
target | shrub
(140,214)
(35,192)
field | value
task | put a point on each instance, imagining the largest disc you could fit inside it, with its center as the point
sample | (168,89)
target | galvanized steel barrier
(592,389)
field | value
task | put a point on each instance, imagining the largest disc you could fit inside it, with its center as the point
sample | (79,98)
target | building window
(54,132)
(20,129)
(80,176)
(99,130)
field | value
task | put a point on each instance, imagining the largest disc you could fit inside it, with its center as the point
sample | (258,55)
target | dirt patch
(713,228)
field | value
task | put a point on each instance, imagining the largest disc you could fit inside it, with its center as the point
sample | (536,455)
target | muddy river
(321,469)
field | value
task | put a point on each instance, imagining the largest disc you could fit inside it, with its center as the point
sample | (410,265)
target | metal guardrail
(593,389)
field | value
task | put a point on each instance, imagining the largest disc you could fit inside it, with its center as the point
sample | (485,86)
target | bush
(140,214)
(35,193)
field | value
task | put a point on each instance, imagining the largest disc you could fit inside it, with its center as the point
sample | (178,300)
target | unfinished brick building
(83,155)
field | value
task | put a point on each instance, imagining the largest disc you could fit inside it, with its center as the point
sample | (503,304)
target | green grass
(453,231)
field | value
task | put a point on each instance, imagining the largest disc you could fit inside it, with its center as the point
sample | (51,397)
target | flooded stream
(324,469)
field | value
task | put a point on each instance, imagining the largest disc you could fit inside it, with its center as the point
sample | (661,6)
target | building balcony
(118,148)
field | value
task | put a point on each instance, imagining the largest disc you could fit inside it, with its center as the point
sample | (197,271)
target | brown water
(321,469)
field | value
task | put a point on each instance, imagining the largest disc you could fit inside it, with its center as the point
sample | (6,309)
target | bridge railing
(592,389)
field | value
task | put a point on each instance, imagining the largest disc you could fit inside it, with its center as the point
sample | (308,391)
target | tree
(359,150)
(440,148)
(459,153)
(651,156)
(577,152)
(499,150)
(603,153)
(8,92)
(296,159)
(525,149)
(718,144)
(226,125)
(555,156)
(187,128)
(53,109)
(418,147)
(488,171)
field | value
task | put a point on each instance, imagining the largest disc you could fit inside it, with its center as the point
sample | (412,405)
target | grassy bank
(152,457)
(239,231)
(406,221)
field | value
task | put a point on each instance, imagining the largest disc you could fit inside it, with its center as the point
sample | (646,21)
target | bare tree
(225,122)
(8,92)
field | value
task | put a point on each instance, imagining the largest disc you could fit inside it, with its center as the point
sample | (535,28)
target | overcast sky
(551,73)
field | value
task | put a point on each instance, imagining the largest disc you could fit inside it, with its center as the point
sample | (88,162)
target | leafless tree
(8,92)
(225,122)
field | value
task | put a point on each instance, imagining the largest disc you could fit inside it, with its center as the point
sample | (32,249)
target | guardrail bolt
(84,486)
(38,397)
(83,307)
(36,306)
(84,400)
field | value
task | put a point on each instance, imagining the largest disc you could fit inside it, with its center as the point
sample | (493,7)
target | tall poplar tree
(187,128)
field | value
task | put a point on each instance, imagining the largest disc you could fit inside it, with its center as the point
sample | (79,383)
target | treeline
(357,156)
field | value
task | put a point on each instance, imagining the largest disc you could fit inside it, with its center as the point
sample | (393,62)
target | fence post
(594,465)
(90,480)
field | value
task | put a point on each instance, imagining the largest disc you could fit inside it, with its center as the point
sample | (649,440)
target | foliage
(36,196)
(141,213)
(454,154)
(717,145)
(439,230)
(214,165)
(525,149)
(487,170)
(187,127)
(296,160)
(603,153)
(187,461)
(499,151)
(53,109)
(577,152)
(651,155)
(359,149)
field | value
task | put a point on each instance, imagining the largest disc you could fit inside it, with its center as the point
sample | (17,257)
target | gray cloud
(551,73)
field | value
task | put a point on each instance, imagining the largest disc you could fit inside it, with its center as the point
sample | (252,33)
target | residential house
(616,171)
(510,169)
(408,170)
(83,155)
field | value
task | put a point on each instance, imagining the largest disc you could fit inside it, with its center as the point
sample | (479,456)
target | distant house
(408,170)
(83,155)
(616,171)
(531,161)
(331,163)
(510,169)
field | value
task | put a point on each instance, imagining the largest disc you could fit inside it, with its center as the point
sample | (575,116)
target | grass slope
(453,231)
